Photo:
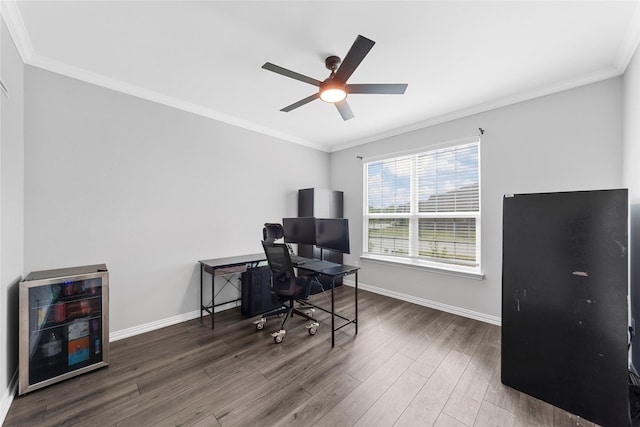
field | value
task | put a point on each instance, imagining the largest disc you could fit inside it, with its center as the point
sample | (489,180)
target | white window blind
(425,206)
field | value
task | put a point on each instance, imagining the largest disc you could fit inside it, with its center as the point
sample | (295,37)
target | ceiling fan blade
(345,110)
(292,74)
(354,57)
(300,103)
(382,88)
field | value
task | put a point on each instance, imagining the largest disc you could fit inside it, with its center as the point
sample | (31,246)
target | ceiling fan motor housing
(332,62)
(329,90)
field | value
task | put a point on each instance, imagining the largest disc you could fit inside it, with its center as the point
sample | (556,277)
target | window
(424,208)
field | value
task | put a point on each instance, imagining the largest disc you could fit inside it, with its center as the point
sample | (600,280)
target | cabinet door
(564,301)
(65,328)
(320,203)
(256,294)
(306,202)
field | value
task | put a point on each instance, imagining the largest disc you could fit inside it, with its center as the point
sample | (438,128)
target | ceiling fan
(334,89)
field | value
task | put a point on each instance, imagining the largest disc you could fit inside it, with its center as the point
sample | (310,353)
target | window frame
(413,259)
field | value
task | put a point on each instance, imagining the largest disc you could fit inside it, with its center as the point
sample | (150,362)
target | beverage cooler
(64,324)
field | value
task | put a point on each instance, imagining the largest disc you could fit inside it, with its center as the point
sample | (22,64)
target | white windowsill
(423,265)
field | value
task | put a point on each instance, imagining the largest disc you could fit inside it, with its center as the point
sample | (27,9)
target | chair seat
(300,290)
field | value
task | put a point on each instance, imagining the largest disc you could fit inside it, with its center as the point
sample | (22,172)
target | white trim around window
(423,208)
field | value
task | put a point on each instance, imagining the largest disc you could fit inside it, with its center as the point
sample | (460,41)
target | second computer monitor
(299,230)
(333,234)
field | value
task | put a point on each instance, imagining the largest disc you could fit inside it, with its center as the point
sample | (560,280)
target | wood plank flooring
(408,366)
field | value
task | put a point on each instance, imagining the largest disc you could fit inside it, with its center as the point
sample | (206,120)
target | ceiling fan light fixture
(333,94)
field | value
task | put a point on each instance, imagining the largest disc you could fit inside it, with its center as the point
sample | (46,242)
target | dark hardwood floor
(408,366)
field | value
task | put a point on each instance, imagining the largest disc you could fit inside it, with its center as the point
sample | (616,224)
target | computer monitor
(299,230)
(333,234)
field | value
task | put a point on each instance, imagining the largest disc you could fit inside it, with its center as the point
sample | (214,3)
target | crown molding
(630,42)
(13,18)
(150,95)
(487,106)
(15,25)
(139,92)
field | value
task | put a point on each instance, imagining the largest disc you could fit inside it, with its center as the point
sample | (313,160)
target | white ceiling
(458,57)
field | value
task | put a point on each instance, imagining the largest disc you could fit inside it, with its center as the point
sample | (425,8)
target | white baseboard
(162,323)
(152,326)
(428,303)
(7,397)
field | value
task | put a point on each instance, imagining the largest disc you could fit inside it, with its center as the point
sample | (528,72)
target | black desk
(333,271)
(239,264)
(223,267)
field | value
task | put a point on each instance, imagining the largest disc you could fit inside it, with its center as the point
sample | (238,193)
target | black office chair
(288,287)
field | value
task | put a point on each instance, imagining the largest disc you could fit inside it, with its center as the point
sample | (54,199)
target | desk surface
(317,266)
(326,267)
(233,260)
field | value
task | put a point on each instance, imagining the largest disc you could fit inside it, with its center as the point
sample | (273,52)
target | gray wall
(11,209)
(631,136)
(148,190)
(567,141)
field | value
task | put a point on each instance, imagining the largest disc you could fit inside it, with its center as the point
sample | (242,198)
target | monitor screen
(333,234)
(299,230)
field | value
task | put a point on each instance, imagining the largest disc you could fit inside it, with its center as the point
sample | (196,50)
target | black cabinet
(564,301)
(321,203)
(256,294)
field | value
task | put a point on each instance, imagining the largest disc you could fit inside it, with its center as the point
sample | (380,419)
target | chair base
(305,311)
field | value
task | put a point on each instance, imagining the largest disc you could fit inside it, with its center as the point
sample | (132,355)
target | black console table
(223,267)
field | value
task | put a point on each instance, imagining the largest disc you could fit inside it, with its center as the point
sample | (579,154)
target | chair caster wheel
(260,324)
(278,336)
(312,327)
(310,312)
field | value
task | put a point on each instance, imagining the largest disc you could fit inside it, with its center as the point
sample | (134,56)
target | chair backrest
(283,277)
(272,232)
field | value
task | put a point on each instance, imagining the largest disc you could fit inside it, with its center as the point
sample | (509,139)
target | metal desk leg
(201,267)
(356,302)
(213,297)
(333,311)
